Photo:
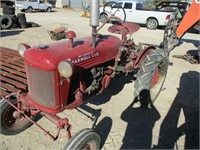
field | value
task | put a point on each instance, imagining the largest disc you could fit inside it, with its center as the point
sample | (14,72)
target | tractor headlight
(22,48)
(66,69)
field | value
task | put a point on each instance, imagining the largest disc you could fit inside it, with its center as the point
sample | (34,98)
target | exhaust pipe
(94,19)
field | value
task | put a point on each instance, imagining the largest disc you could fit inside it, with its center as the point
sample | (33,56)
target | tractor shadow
(115,87)
(186,101)
(104,126)
(194,42)
(140,123)
(103,129)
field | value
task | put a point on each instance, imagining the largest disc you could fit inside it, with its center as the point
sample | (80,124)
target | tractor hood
(81,54)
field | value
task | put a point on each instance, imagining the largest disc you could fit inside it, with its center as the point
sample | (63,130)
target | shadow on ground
(115,87)
(10,33)
(103,129)
(140,123)
(194,42)
(104,126)
(187,101)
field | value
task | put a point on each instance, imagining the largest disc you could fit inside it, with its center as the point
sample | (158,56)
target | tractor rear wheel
(151,77)
(11,122)
(85,139)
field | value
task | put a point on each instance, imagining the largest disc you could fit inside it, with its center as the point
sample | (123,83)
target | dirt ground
(172,124)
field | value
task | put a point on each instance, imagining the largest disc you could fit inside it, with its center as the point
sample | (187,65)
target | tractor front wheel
(11,122)
(151,77)
(85,139)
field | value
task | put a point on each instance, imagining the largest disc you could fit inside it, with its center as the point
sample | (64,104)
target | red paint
(48,58)
(155,78)
(142,55)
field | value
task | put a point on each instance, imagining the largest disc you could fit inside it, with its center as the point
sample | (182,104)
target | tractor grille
(42,86)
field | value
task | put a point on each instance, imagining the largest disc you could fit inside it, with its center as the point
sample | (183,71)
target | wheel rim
(152,24)
(103,18)
(10,121)
(30,9)
(89,146)
(5,22)
(157,80)
(48,9)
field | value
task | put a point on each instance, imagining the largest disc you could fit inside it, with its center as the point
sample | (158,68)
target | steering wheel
(108,13)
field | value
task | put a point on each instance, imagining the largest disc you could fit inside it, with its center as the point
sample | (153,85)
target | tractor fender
(142,55)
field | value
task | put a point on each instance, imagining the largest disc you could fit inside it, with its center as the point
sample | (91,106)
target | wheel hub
(17,115)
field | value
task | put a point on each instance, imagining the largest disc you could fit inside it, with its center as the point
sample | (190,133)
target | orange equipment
(190,18)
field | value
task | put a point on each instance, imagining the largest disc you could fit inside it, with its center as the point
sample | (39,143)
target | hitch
(188,58)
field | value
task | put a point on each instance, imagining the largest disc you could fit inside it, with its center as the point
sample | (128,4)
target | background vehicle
(180,7)
(30,5)
(135,13)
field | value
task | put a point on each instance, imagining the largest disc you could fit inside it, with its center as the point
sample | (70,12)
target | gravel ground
(172,124)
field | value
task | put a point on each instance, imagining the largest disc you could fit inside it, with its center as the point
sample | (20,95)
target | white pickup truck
(30,5)
(135,13)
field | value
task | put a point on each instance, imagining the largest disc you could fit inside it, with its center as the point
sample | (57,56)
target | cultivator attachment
(12,72)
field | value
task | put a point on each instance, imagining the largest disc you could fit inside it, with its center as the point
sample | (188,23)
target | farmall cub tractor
(62,75)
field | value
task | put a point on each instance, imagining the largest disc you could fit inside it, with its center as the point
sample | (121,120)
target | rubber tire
(101,18)
(22,20)
(150,22)
(145,74)
(9,10)
(6,22)
(48,9)
(29,9)
(7,130)
(82,138)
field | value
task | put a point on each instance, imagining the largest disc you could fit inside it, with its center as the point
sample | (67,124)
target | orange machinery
(190,18)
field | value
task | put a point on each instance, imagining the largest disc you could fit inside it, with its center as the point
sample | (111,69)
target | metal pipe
(94,34)
(94,20)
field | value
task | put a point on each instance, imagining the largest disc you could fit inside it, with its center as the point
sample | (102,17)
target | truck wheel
(85,139)
(152,24)
(103,18)
(10,122)
(6,22)
(48,9)
(151,77)
(29,10)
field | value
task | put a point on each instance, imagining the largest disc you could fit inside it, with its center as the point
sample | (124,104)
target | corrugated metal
(76,3)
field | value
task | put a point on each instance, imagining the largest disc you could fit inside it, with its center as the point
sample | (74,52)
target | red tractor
(62,75)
